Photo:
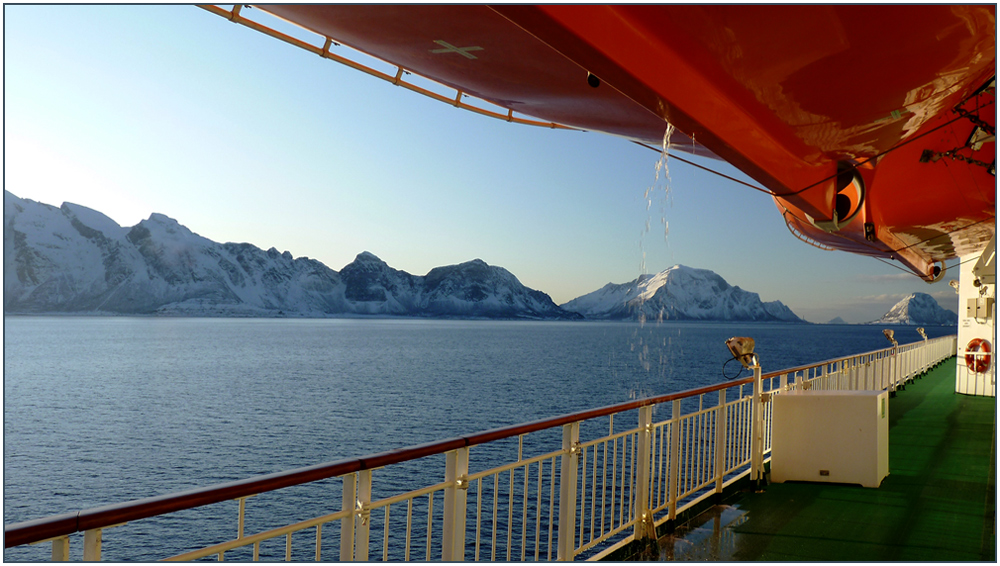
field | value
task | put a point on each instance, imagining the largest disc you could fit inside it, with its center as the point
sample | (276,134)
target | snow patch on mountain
(679,293)
(918,309)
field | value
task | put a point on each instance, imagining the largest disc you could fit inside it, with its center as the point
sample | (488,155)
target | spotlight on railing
(889,336)
(954,285)
(920,331)
(742,349)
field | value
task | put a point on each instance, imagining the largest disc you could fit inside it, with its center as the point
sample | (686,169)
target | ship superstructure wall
(976,373)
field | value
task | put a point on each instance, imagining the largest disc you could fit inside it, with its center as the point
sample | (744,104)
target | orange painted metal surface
(791,95)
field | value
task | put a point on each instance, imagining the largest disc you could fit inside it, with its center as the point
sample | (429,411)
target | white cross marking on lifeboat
(449,48)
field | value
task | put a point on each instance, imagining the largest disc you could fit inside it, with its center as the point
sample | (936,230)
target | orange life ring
(981,362)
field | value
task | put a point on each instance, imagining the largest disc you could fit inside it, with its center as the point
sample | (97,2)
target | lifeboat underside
(873,127)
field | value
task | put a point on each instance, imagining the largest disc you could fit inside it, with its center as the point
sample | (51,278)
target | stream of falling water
(653,191)
(650,354)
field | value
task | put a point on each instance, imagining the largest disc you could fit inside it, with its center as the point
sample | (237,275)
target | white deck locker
(830,436)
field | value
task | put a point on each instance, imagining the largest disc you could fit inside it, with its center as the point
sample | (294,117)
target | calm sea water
(105,410)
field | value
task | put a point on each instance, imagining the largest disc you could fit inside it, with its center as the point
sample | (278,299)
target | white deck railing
(575,486)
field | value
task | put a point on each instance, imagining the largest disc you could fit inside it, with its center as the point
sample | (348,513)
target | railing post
(567,491)
(644,527)
(455,496)
(891,363)
(92,545)
(361,518)
(348,503)
(60,549)
(673,481)
(903,364)
(720,442)
(757,429)
(241,516)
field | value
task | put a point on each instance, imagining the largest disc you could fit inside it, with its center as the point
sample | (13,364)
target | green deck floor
(937,504)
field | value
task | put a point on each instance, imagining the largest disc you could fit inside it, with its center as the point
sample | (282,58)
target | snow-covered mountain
(679,293)
(74,259)
(917,309)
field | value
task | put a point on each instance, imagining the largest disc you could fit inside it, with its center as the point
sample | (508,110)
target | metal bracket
(364,510)
(869,231)
(648,526)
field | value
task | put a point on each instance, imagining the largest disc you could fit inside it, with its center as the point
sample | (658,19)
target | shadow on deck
(937,504)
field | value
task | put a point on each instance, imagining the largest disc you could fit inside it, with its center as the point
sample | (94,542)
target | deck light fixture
(954,285)
(920,331)
(889,336)
(742,349)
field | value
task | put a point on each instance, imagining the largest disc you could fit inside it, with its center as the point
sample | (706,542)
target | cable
(961,263)
(891,251)
(896,250)
(793,215)
(947,233)
(903,269)
(946,267)
(958,117)
(692,163)
(738,373)
(891,149)
(806,188)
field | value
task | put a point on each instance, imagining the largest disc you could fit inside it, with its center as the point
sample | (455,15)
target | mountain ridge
(73,259)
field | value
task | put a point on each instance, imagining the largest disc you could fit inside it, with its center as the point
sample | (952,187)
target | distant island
(918,309)
(679,293)
(72,259)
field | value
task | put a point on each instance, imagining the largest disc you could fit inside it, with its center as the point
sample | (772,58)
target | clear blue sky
(132,110)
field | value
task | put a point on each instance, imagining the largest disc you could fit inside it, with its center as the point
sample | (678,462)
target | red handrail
(59,525)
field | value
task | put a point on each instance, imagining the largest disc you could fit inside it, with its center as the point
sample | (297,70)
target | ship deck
(937,504)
